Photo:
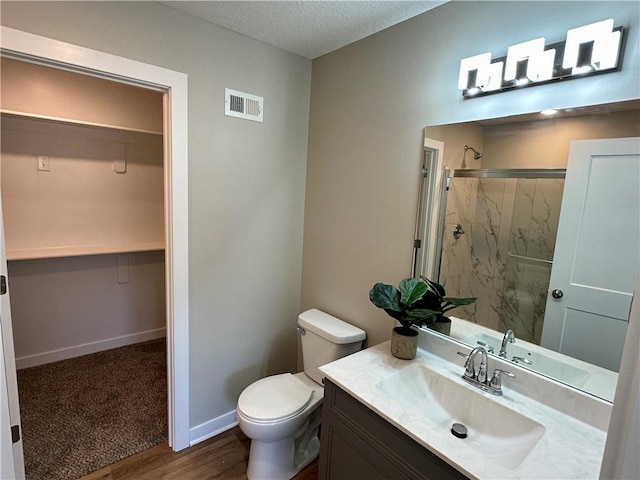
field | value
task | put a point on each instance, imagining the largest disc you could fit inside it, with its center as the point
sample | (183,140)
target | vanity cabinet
(356,443)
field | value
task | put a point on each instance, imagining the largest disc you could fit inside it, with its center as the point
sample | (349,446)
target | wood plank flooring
(222,457)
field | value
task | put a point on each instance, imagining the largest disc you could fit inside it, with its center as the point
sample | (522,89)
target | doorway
(173,85)
(83,213)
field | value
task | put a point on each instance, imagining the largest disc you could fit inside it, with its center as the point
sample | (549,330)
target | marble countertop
(569,449)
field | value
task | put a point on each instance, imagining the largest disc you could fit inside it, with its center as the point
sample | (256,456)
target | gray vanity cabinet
(356,443)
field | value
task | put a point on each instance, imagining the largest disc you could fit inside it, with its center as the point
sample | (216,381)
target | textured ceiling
(306,28)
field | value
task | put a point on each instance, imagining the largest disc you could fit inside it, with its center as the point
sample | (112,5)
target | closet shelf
(72,121)
(81,250)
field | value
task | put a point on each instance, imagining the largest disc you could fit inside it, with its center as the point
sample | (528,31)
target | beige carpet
(85,413)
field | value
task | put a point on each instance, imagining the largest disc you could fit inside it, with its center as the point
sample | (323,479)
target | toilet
(280,413)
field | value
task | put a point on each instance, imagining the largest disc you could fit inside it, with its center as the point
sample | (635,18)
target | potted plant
(414,303)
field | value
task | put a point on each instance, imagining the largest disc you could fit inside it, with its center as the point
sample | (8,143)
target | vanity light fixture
(528,62)
(583,63)
(587,50)
(474,71)
(549,111)
(593,47)
(472,80)
(521,72)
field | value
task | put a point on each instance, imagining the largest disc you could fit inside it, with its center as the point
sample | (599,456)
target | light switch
(43,163)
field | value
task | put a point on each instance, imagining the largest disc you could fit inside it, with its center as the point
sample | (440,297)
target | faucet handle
(522,359)
(487,346)
(496,380)
(470,370)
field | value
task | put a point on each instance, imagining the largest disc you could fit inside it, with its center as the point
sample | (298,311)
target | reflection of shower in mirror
(476,155)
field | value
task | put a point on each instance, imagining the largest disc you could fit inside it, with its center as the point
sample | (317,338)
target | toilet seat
(275,398)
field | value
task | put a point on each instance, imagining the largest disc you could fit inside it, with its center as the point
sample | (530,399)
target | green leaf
(451,303)
(430,301)
(411,290)
(439,289)
(424,313)
(386,297)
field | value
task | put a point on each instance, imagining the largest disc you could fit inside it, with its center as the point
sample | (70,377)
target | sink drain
(459,430)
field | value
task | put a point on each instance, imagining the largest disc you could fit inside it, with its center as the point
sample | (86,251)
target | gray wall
(246,181)
(85,304)
(369,104)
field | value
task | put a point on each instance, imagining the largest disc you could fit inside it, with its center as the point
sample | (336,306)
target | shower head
(476,154)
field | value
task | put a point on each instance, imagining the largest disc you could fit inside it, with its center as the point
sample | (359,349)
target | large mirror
(508,217)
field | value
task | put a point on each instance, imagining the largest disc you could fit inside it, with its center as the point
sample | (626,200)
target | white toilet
(280,413)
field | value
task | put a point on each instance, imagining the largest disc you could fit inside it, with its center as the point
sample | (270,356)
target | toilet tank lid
(329,327)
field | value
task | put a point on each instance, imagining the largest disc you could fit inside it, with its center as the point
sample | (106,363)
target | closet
(82,184)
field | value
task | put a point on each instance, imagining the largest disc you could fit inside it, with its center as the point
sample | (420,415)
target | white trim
(429,207)
(213,427)
(88,348)
(37,49)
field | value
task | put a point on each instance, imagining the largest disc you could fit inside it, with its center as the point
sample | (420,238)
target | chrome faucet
(470,365)
(479,379)
(509,337)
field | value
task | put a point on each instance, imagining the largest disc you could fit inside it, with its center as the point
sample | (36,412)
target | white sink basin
(539,363)
(496,431)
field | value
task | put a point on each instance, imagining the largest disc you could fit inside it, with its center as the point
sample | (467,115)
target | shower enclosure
(496,238)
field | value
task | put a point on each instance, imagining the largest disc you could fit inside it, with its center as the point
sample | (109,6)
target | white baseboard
(88,348)
(212,427)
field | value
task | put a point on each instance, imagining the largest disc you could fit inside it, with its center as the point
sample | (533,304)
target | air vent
(243,105)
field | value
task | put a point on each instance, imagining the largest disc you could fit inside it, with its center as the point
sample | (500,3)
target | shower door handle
(557,293)
(458,231)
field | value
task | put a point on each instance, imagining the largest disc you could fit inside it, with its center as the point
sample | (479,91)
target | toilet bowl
(281,413)
(275,412)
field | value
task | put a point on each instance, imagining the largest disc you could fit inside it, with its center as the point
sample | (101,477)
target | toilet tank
(324,339)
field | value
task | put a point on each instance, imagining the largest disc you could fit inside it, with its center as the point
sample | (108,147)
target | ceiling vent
(243,105)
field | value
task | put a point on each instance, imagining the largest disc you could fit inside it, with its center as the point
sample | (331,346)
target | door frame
(11,448)
(427,243)
(173,85)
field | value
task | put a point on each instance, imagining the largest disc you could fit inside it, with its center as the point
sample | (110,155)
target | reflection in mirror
(497,216)
(508,249)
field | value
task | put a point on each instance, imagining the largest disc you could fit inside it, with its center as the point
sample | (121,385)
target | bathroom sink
(543,364)
(494,430)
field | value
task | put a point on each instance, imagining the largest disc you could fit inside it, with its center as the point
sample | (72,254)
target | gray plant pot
(442,325)
(404,343)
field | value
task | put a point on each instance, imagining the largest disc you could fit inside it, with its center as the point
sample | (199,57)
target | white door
(597,252)
(11,459)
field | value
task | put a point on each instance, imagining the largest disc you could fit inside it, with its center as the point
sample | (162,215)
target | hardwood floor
(222,457)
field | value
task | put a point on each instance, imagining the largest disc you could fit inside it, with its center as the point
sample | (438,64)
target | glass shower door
(498,237)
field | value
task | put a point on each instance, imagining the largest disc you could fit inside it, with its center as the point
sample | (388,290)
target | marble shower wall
(504,257)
